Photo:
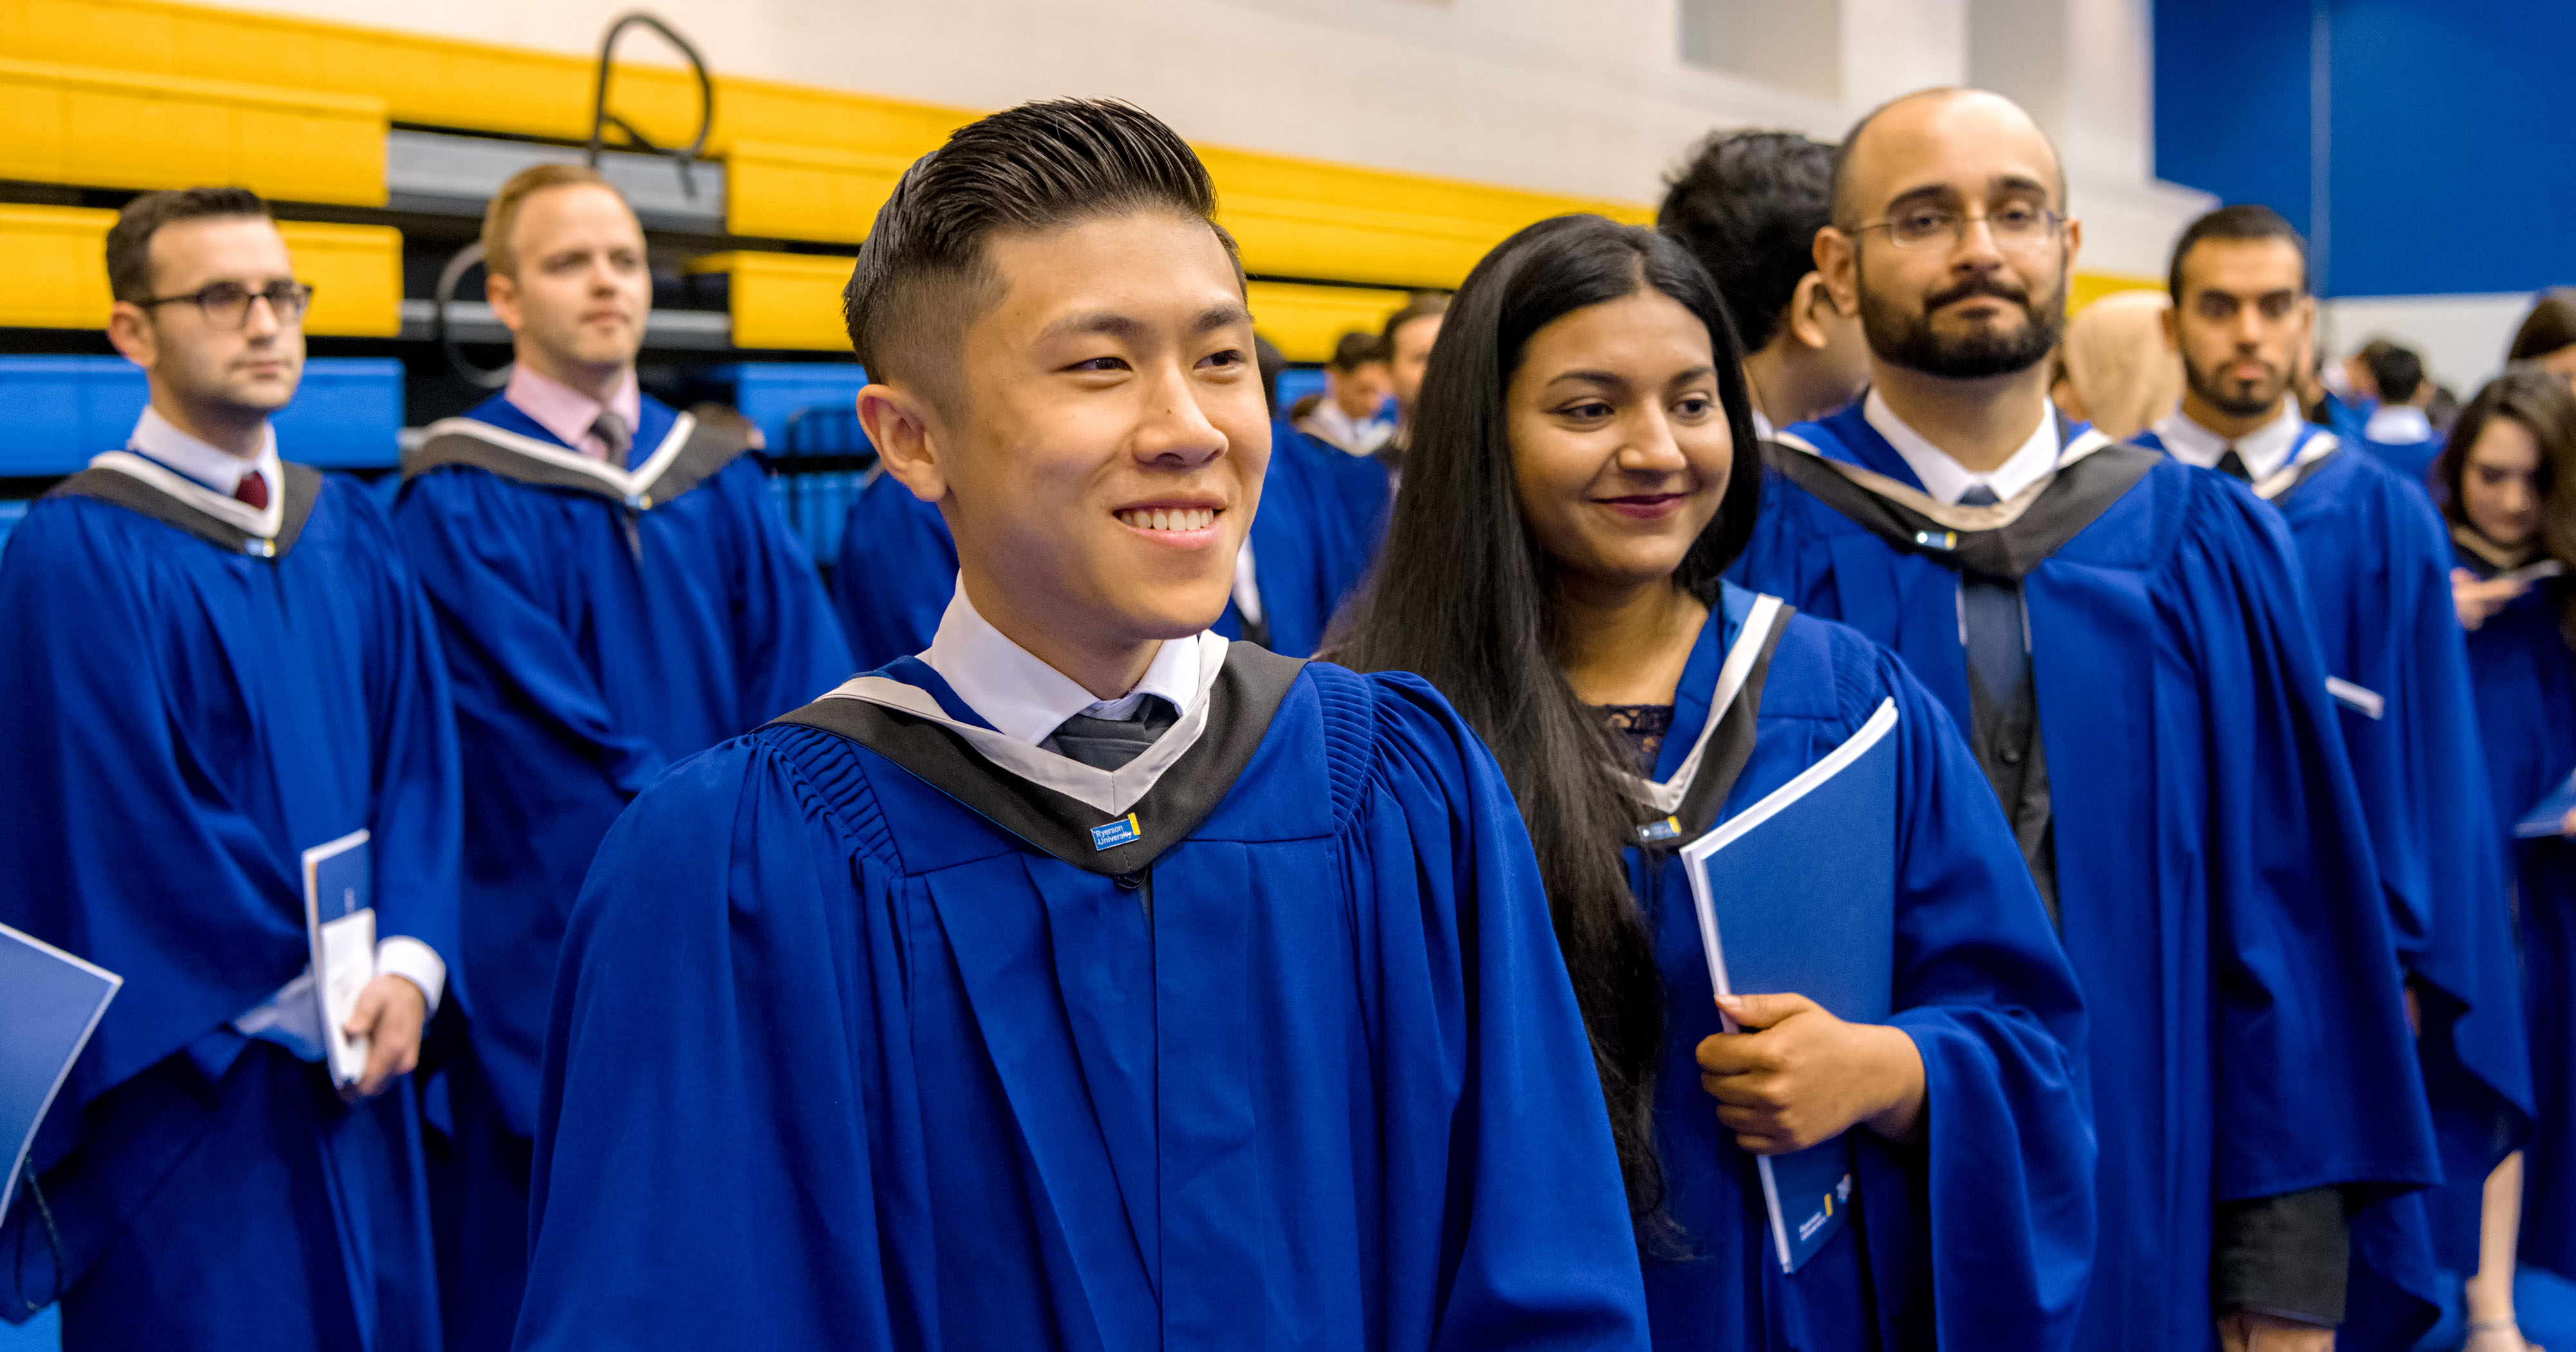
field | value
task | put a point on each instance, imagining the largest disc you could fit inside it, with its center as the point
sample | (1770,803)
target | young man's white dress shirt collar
(2398,425)
(1023,698)
(1945,479)
(2264,450)
(221,471)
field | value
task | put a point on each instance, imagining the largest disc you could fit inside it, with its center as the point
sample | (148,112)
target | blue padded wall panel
(57,412)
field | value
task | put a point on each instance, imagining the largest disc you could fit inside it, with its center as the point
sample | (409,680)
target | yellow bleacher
(145,94)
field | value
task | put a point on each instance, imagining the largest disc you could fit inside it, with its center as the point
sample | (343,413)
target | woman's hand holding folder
(1797,1076)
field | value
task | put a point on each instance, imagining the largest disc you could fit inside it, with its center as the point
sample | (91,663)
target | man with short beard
(2123,638)
(2377,566)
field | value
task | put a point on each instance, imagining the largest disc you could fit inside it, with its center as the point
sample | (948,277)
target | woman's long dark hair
(1465,597)
(2540,401)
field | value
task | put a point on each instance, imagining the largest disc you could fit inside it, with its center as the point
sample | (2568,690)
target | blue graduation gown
(592,643)
(198,717)
(859,1067)
(2205,817)
(1981,1237)
(2526,700)
(2411,460)
(2376,561)
(1313,538)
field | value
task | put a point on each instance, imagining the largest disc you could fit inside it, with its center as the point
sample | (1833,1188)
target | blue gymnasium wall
(2452,160)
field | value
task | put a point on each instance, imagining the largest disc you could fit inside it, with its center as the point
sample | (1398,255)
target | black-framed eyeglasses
(1931,227)
(226,305)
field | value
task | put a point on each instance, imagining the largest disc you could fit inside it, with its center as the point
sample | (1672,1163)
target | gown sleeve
(702,1159)
(2306,973)
(1985,992)
(1536,1249)
(456,530)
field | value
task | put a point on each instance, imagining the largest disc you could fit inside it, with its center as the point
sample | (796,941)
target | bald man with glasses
(2125,640)
(219,663)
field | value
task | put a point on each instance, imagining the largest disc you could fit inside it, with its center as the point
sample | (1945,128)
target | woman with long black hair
(1582,469)
(2507,480)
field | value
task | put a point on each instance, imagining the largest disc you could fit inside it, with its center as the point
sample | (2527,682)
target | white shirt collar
(1946,480)
(1025,699)
(1762,428)
(2264,450)
(219,470)
(2398,425)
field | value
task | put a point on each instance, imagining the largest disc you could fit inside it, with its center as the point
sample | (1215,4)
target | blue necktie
(1990,609)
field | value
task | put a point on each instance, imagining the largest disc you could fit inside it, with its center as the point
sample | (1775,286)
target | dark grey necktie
(613,433)
(2229,462)
(1990,609)
(1108,743)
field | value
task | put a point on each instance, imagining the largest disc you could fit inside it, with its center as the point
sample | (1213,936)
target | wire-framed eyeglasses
(2016,226)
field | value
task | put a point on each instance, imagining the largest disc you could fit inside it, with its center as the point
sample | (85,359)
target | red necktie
(252,490)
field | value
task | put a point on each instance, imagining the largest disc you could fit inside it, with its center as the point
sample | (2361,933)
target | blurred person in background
(2507,480)
(2398,431)
(618,591)
(2373,555)
(2116,370)
(2548,333)
(219,663)
(1406,340)
(1748,206)
(1351,415)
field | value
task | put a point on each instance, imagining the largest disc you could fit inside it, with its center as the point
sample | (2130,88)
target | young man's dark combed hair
(1748,206)
(129,241)
(2398,372)
(1465,597)
(922,276)
(2244,220)
(1355,350)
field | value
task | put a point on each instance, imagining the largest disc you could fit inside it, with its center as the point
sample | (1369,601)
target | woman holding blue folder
(1583,468)
(2507,480)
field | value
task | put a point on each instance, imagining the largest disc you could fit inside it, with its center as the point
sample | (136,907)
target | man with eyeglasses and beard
(216,661)
(2124,639)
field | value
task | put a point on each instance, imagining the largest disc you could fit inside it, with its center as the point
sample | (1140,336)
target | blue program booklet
(50,1002)
(2547,817)
(1797,895)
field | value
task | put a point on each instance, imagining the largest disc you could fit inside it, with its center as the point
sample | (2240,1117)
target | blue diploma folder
(2546,816)
(50,1002)
(1797,895)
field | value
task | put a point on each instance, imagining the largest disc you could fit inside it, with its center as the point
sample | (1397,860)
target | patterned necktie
(1108,743)
(612,433)
(1990,610)
(2229,462)
(252,491)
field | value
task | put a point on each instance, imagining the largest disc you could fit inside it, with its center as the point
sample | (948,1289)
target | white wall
(2462,338)
(1589,97)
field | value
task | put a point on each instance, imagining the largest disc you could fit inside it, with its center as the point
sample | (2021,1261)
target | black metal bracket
(601,119)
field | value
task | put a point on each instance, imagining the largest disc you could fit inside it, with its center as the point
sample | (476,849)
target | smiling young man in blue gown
(1088,981)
